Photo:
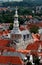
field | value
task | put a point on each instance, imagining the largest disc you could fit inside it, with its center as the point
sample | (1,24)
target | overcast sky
(16,0)
(11,0)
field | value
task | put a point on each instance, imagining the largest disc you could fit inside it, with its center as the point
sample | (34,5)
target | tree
(21,20)
(11,26)
(36,60)
(34,29)
(29,63)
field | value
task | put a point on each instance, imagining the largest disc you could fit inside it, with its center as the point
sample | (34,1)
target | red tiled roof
(4,32)
(11,49)
(4,59)
(22,28)
(4,42)
(17,60)
(34,53)
(39,53)
(11,59)
(32,24)
(34,46)
(40,24)
(1,33)
(3,8)
(36,36)
(23,51)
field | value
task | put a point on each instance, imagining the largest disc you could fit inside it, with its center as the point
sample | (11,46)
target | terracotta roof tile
(17,60)
(22,28)
(32,24)
(10,59)
(23,51)
(34,46)
(40,54)
(4,42)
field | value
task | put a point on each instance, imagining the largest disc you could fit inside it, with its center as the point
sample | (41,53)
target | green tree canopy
(11,26)
(34,29)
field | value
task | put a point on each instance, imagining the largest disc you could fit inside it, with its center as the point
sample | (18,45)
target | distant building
(1,3)
(4,26)
(38,9)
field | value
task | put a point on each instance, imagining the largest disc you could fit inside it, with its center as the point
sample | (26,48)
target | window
(27,35)
(24,36)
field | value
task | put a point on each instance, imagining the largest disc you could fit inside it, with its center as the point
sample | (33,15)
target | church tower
(16,33)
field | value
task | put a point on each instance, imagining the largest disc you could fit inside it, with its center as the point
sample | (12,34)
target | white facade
(25,35)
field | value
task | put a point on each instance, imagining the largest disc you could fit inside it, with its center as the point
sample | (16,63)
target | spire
(16,23)
(16,13)
(16,33)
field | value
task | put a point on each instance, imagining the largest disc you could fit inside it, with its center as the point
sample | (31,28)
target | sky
(17,0)
(11,0)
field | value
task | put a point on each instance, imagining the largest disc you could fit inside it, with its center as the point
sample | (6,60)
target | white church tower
(16,33)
